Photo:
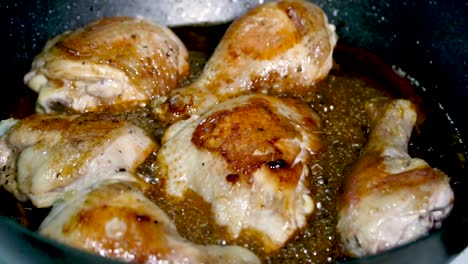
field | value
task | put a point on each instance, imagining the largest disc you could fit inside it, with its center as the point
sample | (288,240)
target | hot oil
(339,101)
(357,76)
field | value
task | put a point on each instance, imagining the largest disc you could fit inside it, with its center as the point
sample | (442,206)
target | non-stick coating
(424,39)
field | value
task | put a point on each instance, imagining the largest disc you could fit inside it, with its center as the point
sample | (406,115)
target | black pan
(423,40)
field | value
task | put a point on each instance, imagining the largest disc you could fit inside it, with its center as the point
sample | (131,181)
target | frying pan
(423,40)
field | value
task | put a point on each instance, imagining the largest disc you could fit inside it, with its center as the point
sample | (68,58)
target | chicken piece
(111,61)
(116,220)
(249,157)
(281,48)
(45,156)
(388,197)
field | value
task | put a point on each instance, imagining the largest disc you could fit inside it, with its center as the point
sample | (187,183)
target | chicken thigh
(280,48)
(116,220)
(111,61)
(249,157)
(388,197)
(44,157)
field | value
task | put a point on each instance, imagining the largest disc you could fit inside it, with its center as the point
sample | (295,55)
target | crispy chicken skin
(281,48)
(249,157)
(116,220)
(388,197)
(111,61)
(43,157)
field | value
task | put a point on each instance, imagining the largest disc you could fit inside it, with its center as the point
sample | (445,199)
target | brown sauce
(356,77)
(339,102)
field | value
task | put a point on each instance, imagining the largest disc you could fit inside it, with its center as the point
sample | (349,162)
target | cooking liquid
(357,76)
(339,102)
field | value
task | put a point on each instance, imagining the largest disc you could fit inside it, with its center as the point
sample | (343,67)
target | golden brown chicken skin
(108,62)
(388,197)
(116,220)
(46,156)
(239,134)
(249,158)
(279,48)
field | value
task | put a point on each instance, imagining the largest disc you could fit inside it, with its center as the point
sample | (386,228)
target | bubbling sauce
(339,102)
